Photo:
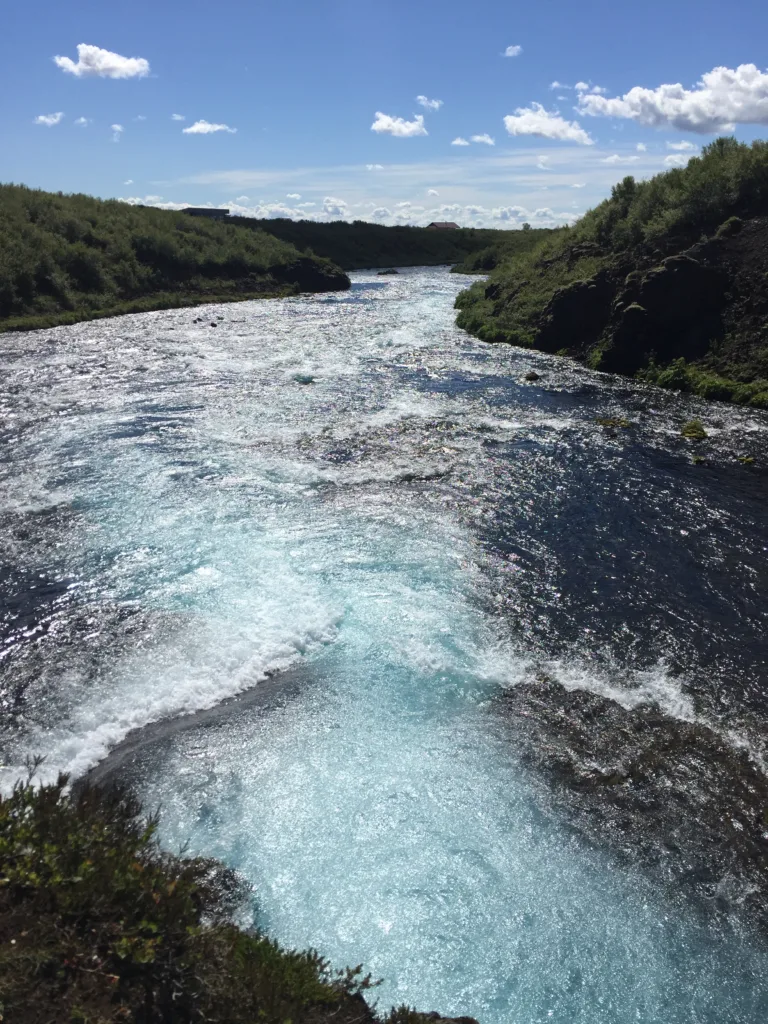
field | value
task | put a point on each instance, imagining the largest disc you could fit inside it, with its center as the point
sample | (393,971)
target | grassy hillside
(667,279)
(360,245)
(65,258)
(504,247)
(98,926)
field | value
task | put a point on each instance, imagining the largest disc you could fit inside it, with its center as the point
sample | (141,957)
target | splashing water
(349,491)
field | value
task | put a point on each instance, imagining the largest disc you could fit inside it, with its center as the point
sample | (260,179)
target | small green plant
(619,424)
(694,430)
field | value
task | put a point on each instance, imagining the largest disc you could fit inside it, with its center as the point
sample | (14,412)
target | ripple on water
(350,486)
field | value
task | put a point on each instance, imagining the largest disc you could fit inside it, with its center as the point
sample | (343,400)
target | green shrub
(98,924)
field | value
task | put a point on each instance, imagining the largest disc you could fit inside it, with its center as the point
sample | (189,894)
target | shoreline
(151,304)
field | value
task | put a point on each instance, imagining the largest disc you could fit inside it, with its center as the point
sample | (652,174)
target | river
(348,505)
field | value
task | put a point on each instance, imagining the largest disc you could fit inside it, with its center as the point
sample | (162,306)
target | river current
(349,503)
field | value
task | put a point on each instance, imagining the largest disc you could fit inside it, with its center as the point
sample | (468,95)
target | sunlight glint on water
(311,489)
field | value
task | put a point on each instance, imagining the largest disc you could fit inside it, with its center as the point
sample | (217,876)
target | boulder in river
(680,798)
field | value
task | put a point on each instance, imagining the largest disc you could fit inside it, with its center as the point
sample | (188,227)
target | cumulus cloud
(291,195)
(559,85)
(545,124)
(513,51)
(641,147)
(616,159)
(128,182)
(485,139)
(432,192)
(117,131)
(380,213)
(374,167)
(676,160)
(722,99)
(398,126)
(579,184)
(92,60)
(428,104)
(178,117)
(459,142)
(206,128)
(581,87)
(82,122)
(683,147)
(335,207)
(49,120)
(543,163)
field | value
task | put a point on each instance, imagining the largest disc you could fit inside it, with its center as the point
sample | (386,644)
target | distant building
(442,225)
(205,211)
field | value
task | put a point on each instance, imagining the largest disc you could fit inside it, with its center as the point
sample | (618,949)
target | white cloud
(140,117)
(459,142)
(543,163)
(117,131)
(380,213)
(513,51)
(92,60)
(305,206)
(722,99)
(559,85)
(178,117)
(676,160)
(432,192)
(616,159)
(49,120)
(579,184)
(398,126)
(128,182)
(291,195)
(82,122)
(485,139)
(335,207)
(428,104)
(206,128)
(641,147)
(683,147)
(535,120)
(598,90)
(581,87)
(374,167)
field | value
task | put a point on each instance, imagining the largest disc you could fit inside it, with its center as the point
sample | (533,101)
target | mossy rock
(729,227)
(694,430)
(607,421)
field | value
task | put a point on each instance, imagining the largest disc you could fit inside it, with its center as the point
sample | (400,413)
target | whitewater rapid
(349,491)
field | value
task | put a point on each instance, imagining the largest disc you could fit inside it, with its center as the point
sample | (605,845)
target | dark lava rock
(385,273)
(214,324)
(677,797)
(532,376)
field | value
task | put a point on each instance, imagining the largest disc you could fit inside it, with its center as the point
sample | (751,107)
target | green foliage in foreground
(99,926)
(360,245)
(582,291)
(73,256)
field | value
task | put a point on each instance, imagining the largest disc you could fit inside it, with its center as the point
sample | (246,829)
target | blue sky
(311,109)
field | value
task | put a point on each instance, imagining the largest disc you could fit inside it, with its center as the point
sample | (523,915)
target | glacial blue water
(348,490)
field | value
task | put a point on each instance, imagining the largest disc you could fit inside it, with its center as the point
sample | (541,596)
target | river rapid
(346,504)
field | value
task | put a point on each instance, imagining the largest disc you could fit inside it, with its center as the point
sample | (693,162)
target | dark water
(350,487)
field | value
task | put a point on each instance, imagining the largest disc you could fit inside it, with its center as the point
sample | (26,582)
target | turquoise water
(349,488)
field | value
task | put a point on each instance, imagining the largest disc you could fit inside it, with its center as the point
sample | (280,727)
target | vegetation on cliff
(360,246)
(65,258)
(504,247)
(667,279)
(99,926)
